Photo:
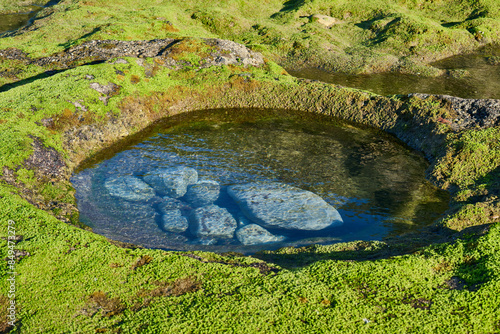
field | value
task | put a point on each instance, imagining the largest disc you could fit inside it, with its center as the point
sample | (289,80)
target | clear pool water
(375,182)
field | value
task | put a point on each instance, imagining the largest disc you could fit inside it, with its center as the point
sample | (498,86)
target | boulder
(130,212)
(174,221)
(172,182)
(325,20)
(277,205)
(212,221)
(129,188)
(202,193)
(254,234)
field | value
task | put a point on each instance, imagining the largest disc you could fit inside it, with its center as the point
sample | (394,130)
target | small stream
(14,21)
(473,76)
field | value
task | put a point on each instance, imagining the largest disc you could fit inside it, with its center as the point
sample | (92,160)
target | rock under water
(278,205)
(254,234)
(130,188)
(172,182)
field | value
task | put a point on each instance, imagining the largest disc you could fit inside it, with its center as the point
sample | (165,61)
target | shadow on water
(14,21)
(366,251)
(474,76)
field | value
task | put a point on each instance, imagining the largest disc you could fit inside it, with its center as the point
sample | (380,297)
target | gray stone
(172,182)
(325,20)
(212,221)
(254,234)
(129,187)
(167,204)
(174,221)
(470,113)
(277,205)
(202,193)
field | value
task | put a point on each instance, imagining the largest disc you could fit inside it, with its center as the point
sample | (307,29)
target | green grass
(67,266)
(16,6)
(402,35)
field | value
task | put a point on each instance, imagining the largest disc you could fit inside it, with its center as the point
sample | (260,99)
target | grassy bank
(444,280)
(356,37)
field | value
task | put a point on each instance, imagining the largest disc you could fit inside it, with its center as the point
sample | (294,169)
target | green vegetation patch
(473,159)
(402,36)
(70,279)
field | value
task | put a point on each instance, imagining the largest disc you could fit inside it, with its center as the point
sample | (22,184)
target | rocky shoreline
(471,113)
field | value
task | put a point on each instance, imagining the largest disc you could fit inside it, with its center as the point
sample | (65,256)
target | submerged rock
(212,221)
(129,187)
(131,212)
(205,241)
(202,193)
(172,182)
(174,221)
(168,204)
(277,205)
(243,220)
(254,234)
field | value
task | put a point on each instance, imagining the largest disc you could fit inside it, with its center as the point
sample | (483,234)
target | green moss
(104,288)
(473,155)
(420,30)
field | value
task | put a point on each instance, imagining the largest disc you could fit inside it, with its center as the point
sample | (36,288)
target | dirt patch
(455,283)
(45,161)
(100,301)
(142,262)
(5,325)
(179,287)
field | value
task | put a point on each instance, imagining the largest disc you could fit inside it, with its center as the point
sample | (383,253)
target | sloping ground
(20,6)
(71,280)
(360,37)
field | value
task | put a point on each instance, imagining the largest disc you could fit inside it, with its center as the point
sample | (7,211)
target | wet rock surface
(277,205)
(129,187)
(168,204)
(471,113)
(131,205)
(202,193)
(174,221)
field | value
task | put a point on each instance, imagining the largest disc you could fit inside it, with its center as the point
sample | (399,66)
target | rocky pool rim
(242,115)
